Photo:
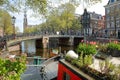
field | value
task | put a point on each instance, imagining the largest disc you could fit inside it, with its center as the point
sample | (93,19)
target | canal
(29,47)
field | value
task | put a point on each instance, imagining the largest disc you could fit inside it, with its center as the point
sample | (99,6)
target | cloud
(98,8)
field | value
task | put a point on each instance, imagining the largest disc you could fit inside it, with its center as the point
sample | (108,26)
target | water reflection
(42,52)
(29,47)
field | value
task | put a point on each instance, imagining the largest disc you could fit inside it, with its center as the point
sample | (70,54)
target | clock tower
(25,24)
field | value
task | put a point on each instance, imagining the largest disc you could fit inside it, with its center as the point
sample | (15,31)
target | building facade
(97,23)
(112,12)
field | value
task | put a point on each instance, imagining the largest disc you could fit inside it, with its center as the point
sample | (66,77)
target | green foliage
(86,3)
(102,48)
(31,29)
(61,18)
(81,61)
(117,73)
(68,58)
(74,61)
(88,60)
(113,46)
(3,2)
(87,49)
(38,6)
(110,69)
(76,25)
(84,60)
(12,69)
(6,23)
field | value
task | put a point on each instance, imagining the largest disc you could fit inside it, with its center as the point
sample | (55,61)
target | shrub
(87,49)
(113,49)
(113,46)
(102,48)
(12,69)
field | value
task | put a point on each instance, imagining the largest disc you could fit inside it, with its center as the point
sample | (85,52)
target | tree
(61,17)
(38,6)
(31,29)
(67,14)
(76,24)
(6,23)
(53,20)
(85,3)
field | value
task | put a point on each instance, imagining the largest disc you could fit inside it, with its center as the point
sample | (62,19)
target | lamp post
(85,21)
(13,23)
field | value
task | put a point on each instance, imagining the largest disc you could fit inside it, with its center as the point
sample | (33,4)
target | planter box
(114,53)
(96,75)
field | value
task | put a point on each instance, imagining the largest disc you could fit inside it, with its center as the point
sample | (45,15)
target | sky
(97,8)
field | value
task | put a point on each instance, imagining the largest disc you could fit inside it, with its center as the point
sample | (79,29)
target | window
(119,6)
(112,24)
(107,10)
(107,17)
(66,76)
(112,0)
(117,23)
(112,18)
(108,24)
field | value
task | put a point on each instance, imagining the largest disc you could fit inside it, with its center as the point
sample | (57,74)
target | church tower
(25,24)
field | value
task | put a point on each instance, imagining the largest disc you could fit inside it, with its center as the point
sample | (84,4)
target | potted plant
(84,61)
(102,48)
(86,49)
(113,49)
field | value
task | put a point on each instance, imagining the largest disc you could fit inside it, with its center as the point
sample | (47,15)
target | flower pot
(115,53)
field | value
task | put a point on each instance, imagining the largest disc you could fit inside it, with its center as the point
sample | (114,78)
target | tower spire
(25,24)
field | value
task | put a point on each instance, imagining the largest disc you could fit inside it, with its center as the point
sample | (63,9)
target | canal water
(29,47)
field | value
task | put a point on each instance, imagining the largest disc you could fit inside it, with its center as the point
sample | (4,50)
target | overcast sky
(98,8)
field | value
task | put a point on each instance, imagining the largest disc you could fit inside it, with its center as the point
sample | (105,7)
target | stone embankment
(14,48)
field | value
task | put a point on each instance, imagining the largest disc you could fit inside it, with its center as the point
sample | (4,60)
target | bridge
(31,37)
(63,39)
(10,40)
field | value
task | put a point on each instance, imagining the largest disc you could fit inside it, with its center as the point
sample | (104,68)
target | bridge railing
(24,35)
(32,35)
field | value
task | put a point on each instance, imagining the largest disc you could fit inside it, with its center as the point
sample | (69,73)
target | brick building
(112,12)
(97,23)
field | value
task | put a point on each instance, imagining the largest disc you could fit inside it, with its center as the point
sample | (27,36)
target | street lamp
(85,21)
(13,23)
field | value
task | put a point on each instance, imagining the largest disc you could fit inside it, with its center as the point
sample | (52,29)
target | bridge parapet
(9,39)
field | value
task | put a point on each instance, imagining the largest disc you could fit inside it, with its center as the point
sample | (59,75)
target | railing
(11,37)
(25,36)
